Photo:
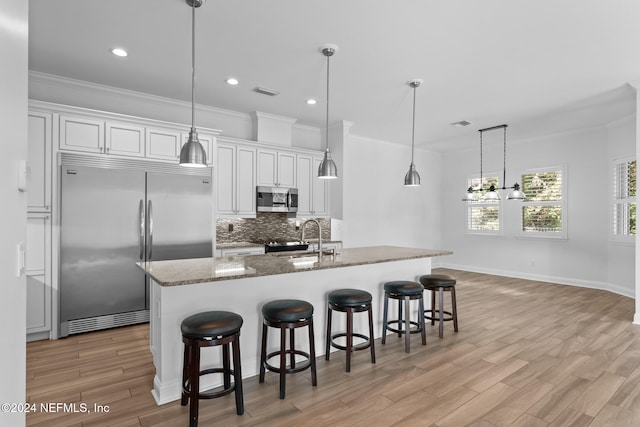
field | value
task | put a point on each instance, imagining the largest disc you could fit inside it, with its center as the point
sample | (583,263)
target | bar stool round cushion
(211,324)
(287,310)
(437,281)
(403,287)
(349,297)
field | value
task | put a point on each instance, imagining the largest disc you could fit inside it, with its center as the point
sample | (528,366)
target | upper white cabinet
(276,168)
(312,191)
(163,144)
(124,139)
(39,162)
(236,180)
(81,134)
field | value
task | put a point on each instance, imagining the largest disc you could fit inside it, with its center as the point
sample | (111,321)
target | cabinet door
(286,170)
(267,168)
(162,144)
(124,139)
(39,161)
(246,182)
(304,179)
(38,273)
(319,203)
(207,142)
(225,180)
(80,134)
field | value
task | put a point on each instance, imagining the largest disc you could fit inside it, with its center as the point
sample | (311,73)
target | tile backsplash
(267,227)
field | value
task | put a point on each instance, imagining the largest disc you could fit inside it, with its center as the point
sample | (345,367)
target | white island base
(245,296)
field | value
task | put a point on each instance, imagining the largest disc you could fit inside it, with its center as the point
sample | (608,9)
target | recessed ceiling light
(118,51)
(232,81)
(311,101)
(461,123)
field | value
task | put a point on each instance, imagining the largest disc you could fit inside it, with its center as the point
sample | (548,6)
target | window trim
(499,204)
(613,237)
(563,234)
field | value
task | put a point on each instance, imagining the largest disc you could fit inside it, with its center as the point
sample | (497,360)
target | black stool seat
(350,301)
(349,297)
(211,324)
(403,287)
(440,283)
(287,310)
(437,281)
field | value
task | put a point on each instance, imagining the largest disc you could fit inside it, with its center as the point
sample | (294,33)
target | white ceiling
(539,66)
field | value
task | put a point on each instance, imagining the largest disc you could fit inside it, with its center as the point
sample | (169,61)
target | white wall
(378,208)
(13,122)
(584,257)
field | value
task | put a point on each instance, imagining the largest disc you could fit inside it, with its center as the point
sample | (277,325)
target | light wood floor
(527,354)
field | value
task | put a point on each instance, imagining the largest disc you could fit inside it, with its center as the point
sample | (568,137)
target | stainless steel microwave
(276,199)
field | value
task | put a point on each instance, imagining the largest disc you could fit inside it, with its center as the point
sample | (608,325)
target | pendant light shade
(328,169)
(516,193)
(192,153)
(412,177)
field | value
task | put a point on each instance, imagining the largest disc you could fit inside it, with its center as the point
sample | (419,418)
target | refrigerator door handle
(142,228)
(150,245)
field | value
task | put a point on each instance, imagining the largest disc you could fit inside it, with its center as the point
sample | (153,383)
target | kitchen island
(242,285)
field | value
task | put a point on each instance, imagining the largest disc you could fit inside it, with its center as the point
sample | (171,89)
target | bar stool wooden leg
(312,354)
(328,341)
(237,377)
(185,374)
(433,307)
(263,353)
(440,312)
(454,309)
(371,340)
(194,385)
(407,335)
(283,360)
(349,337)
(226,365)
(384,318)
(421,321)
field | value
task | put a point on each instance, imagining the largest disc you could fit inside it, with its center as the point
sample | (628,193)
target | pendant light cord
(504,160)
(193,63)
(413,127)
(328,54)
(481,182)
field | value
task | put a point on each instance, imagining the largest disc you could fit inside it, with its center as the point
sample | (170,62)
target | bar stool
(441,283)
(403,290)
(208,329)
(350,301)
(287,314)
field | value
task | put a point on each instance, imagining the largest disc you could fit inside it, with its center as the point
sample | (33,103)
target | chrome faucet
(319,234)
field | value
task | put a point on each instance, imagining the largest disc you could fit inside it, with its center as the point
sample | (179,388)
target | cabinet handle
(108,150)
(101,149)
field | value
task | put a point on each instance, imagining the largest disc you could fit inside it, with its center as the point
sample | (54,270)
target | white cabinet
(38,262)
(81,134)
(276,169)
(39,162)
(236,180)
(124,139)
(312,191)
(163,144)
(97,136)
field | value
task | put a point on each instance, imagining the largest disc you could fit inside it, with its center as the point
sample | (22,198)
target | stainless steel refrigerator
(114,213)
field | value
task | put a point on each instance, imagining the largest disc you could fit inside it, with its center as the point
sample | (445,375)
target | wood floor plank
(528,353)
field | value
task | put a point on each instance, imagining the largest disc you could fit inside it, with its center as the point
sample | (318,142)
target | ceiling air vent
(265,91)
(461,124)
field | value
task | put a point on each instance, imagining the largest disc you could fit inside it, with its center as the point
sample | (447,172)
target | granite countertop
(200,270)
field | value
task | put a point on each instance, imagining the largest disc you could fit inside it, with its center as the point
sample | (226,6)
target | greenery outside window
(483,217)
(544,210)
(624,200)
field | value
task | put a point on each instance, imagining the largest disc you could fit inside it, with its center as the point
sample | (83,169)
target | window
(624,199)
(543,211)
(483,216)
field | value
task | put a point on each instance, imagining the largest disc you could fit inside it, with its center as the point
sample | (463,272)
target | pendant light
(327,168)
(412,178)
(492,194)
(192,153)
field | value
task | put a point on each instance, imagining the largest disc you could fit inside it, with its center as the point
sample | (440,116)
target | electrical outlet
(230,228)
